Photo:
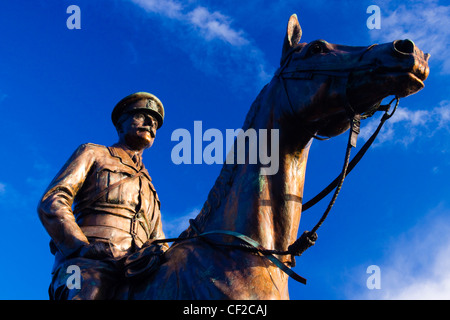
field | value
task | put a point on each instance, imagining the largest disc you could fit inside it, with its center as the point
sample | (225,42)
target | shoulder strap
(108,189)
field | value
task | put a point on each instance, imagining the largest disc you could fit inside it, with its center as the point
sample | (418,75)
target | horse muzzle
(406,68)
(397,68)
(407,48)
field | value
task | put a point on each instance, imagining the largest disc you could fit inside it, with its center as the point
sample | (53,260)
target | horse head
(320,88)
(339,81)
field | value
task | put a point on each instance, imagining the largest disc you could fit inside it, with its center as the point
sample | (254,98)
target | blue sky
(207,61)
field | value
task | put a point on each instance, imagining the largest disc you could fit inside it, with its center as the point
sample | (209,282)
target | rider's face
(138,130)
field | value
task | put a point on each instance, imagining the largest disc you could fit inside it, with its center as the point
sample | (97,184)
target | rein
(308,238)
(357,157)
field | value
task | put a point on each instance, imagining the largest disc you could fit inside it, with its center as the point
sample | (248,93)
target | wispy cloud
(169,8)
(211,25)
(417,265)
(426,22)
(22,195)
(212,42)
(216,25)
(3,96)
(406,126)
(174,225)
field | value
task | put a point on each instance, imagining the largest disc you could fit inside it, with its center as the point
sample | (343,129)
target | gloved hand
(156,247)
(96,251)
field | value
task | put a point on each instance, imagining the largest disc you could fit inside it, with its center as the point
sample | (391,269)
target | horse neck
(266,208)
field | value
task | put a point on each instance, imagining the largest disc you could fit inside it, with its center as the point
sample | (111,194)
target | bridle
(308,238)
(306,72)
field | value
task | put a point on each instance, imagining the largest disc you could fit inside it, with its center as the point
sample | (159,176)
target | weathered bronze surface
(267,208)
(116,210)
(318,83)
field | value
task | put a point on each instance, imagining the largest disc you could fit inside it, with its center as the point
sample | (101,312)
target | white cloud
(212,42)
(407,125)
(443,114)
(21,194)
(211,25)
(418,263)
(426,22)
(216,25)
(169,8)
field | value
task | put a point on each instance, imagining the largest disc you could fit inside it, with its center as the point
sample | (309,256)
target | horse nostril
(404,46)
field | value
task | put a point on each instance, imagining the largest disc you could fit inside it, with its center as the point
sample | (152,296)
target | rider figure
(116,210)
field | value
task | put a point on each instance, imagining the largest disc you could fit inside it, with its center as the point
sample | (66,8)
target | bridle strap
(315,136)
(308,238)
(300,73)
(330,69)
(355,159)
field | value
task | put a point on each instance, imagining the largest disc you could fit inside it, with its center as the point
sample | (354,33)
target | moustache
(152,132)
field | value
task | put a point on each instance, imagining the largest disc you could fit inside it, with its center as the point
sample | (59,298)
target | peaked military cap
(139,101)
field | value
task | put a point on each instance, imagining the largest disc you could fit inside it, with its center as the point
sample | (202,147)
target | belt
(114,227)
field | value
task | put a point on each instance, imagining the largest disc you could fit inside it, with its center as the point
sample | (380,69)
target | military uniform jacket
(124,216)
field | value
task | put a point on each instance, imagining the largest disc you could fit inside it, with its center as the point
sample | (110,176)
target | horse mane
(225,179)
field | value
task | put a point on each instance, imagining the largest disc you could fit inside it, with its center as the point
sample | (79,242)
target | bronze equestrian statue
(232,249)
(116,208)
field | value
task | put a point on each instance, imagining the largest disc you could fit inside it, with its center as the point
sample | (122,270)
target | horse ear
(293,36)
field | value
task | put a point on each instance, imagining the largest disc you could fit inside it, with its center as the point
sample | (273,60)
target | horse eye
(316,49)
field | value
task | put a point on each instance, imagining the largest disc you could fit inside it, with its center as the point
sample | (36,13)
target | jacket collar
(117,151)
